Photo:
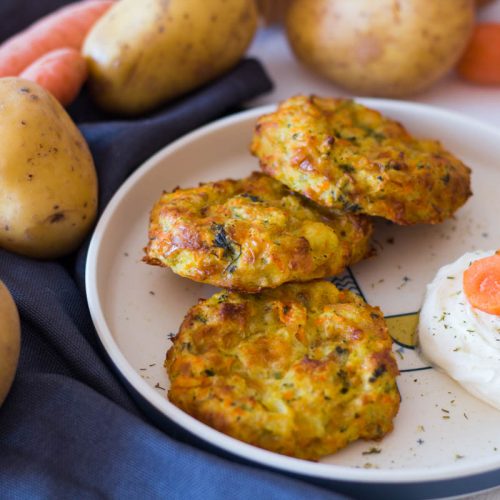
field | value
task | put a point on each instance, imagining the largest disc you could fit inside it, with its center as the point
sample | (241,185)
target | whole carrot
(65,27)
(62,72)
(480,63)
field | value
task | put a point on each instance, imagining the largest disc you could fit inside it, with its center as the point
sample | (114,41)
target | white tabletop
(290,77)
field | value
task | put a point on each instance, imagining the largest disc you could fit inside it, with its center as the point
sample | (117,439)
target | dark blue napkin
(69,427)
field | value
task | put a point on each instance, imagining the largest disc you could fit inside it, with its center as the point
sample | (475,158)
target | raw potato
(10,340)
(143,53)
(48,184)
(390,48)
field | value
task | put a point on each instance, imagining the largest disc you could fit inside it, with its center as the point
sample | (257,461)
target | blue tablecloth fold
(62,439)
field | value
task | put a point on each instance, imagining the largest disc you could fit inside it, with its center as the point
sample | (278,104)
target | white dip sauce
(462,341)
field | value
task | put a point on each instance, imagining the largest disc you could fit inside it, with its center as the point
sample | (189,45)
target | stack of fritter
(252,234)
(346,156)
(300,368)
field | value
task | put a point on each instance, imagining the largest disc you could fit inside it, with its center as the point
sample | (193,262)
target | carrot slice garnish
(481,281)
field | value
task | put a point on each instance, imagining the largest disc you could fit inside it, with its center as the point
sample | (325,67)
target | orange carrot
(62,72)
(481,283)
(480,63)
(65,27)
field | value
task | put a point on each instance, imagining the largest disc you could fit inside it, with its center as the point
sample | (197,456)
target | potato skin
(301,370)
(10,340)
(380,48)
(48,183)
(482,3)
(142,53)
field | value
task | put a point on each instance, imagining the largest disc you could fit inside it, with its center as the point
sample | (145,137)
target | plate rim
(208,434)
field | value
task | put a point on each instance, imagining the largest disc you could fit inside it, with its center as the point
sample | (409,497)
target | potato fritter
(251,234)
(301,370)
(346,156)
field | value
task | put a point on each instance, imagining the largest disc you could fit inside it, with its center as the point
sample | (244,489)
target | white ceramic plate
(441,432)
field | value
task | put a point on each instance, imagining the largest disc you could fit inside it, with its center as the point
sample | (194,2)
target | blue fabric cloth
(69,428)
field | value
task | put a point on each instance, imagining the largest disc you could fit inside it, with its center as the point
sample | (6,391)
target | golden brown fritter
(251,234)
(301,370)
(346,156)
